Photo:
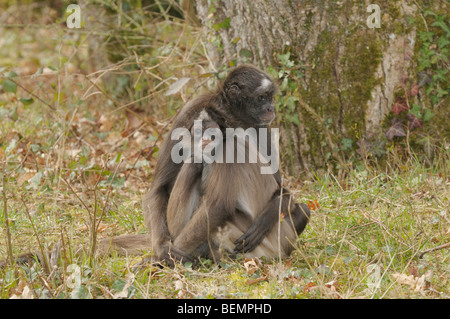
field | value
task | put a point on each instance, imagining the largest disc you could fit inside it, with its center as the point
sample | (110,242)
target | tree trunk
(339,77)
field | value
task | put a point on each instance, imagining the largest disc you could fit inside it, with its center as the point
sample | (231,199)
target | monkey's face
(257,103)
(264,110)
(250,92)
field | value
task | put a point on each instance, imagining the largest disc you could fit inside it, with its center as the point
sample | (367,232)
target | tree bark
(351,73)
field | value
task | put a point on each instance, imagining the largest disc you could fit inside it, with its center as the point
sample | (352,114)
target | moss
(308,22)
(393,9)
(361,60)
(339,86)
(398,27)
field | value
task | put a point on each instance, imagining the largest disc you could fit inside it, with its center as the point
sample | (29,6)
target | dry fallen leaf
(73,152)
(399,106)
(22,291)
(133,123)
(332,285)
(179,285)
(25,177)
(254,281)
(416,283)
(414,90)
(413,270)
(105,123)
(313,204)
(27,294)
(309,286)
(251,265)
(177,86)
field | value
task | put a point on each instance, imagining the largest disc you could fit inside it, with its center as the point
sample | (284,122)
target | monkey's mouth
(267,118)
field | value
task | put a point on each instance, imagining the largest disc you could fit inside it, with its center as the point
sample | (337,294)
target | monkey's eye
(265,98)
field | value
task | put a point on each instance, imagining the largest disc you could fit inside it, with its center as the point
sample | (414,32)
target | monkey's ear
(234,90)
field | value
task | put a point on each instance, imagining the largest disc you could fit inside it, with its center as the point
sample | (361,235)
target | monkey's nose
(270,108)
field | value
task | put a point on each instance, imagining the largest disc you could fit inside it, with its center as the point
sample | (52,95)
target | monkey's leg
(184,198)
(155,207)
(200,228)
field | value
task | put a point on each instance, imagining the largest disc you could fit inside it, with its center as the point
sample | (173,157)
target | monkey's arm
(264,223)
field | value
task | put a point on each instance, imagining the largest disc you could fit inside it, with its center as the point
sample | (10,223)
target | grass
(76,161)
(381,223)
(359,241)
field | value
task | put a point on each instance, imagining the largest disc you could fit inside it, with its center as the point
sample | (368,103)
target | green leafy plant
(289,73)
(433,58)
(415,108)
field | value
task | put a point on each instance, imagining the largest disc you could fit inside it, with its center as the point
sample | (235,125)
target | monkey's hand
(255,233)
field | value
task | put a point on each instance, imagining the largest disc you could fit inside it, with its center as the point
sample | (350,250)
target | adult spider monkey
(242,101)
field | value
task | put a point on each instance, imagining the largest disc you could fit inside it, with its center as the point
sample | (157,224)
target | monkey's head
(249,93)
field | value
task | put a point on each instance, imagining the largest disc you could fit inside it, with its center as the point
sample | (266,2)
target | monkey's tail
(124,245)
